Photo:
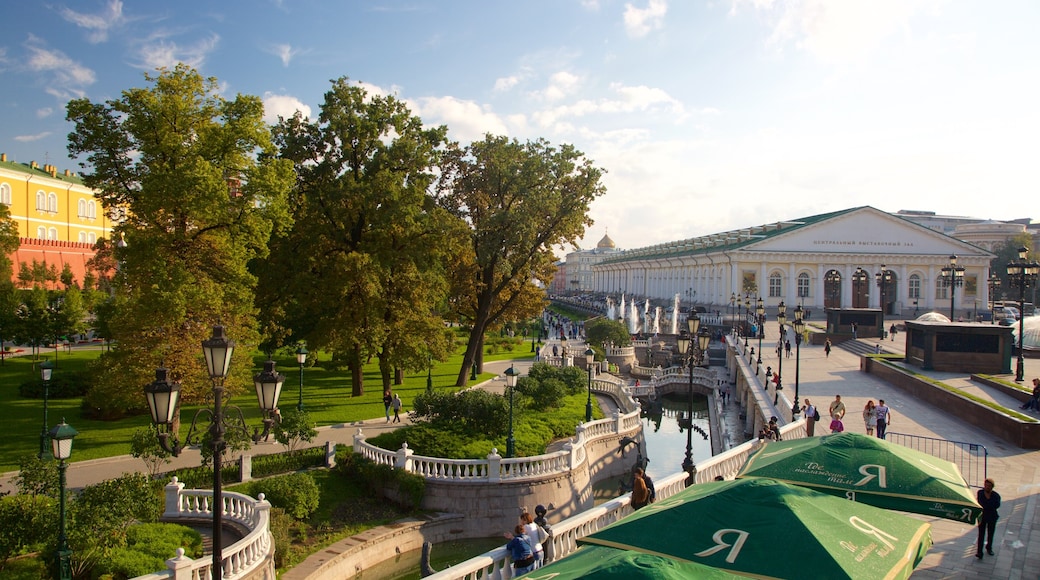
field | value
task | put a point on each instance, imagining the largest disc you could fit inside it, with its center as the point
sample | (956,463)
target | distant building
(579,272)
(58,218)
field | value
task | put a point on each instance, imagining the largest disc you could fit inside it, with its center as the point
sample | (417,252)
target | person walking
(870,417)
(827,347)
(990,501)
(884,417)
(387,401)
(787,348)
(396,404)
(892,331)
(837,408)
(855,327)
(812,415)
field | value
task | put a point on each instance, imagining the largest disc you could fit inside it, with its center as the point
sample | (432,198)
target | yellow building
(58,218)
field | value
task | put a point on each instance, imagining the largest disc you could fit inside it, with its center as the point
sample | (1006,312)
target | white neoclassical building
(831,260)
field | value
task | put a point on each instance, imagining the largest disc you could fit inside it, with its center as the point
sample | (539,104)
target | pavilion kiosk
(959,347)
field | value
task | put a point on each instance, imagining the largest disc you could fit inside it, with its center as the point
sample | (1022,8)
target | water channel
(665,451)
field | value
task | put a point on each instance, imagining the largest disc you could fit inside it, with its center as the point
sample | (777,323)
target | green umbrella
(767,529)
(601,563)
(869,470)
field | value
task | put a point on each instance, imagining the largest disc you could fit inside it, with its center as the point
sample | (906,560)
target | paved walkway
(1015,470)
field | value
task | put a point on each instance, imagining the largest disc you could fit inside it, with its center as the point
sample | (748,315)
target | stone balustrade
(252,557)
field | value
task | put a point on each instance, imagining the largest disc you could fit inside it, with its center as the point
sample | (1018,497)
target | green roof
(38,171)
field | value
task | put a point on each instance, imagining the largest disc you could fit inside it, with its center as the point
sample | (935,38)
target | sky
(706,115)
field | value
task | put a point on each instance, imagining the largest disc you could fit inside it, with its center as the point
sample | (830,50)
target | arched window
(52,202)
(91,238)
(803,285)
(83,237)
(91,210)
(5,194)
(775,285)
(41,201)
(915,286)
(81,208)
(52,234)
(940,288)
(41,233)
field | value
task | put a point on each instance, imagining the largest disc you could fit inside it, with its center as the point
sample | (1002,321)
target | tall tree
(519,200)
(8,293)
(364,268)
(188,168)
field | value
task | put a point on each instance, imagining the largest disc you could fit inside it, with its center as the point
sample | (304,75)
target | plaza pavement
(1015,470)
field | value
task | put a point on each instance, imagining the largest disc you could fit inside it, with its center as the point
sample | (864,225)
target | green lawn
(326,396)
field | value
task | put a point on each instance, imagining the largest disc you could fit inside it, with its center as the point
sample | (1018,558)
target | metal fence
(971,458)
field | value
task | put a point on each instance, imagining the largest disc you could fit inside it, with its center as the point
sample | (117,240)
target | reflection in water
(405,566)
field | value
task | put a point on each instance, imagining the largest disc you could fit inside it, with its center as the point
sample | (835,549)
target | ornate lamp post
(1024,275)
(799,328)
(511,375)
(882,278)
(163,401)
(61,448)
(694,355)
(301,357)
(994,283)
(781,317)
(747,314)
(46,369)
(953,276)
(590,355)
(732,303)
(760,310)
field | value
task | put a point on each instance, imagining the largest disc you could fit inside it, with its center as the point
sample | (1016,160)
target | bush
(405,488)
(61,386)
(148,546)
(37,476)
(295,428)
(275,463)
(295,493)
(475,411)
(202,477)
(543,394)
(27,523)
(286,533)
(144,445)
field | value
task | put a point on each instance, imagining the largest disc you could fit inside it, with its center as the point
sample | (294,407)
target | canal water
(665,451)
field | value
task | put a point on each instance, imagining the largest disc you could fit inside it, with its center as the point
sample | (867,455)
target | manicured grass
(326,396)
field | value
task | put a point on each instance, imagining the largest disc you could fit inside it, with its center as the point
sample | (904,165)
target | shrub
(61,386)
(544,394)
(295,493)
(295,427)
(287,533)
(405,488)
(27,522)
(144,445)
(275,463)
(37,476)
(202,477)
(474,410)
(148,546)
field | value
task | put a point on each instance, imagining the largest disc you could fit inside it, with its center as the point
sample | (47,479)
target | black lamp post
(1022,274)
(747,314)
(61,448)
(301,357)
(46,369)
(590,355)
(994,283)
(694,354)
(510,383)
(781,317)
(732,303)
(882,278)
(163,401)
(953,276)
(799,328)
(760,310)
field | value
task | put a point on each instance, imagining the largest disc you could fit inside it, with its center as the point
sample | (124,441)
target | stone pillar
(330,454)
(180,566)
(173,499)
(245,464)
(403,458)
(494,466)
(359,438)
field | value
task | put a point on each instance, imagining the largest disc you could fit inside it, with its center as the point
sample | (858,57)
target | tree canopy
(518,201)
(195,177)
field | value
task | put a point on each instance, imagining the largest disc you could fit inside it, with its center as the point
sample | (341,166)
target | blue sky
(706,116)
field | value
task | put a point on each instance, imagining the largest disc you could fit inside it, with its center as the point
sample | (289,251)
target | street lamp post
(732,303)
(760,310)
(510,384)
(163,401)
(46,369)
(994,283)
(953,276)
(590,355)
(882,279)
(301,357)
(781,317)
(1024,275)
(694,355)
(61,448)
(799,328)
(747,314)
(429,370)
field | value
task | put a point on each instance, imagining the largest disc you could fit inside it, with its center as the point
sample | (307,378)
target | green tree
(196,177)
(1008,252)
(9,321)
(369,250)
(600,331)
(295,428)
(519,200)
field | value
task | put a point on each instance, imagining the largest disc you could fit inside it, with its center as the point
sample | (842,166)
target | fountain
(675,314)
(621,311)
(611,310)
(657,320)
(633,318)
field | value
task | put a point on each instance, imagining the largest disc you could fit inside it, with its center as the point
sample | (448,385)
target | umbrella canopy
(768,529)
(1031,325)
(601,563)
(869,470)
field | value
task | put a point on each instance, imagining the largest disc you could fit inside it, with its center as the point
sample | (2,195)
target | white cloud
(30,138)
(67,74)
(285,52)
(629,99)
(43,112)
(283,106)
(467,121)
(590,4)
(158,52)
(561,85)
(640,21)
(97,25)
(503,84)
